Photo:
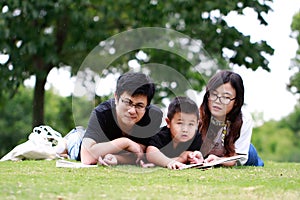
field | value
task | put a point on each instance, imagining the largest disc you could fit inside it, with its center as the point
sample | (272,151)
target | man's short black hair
(136,83)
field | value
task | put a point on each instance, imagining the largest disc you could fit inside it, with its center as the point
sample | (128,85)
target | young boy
(177,143)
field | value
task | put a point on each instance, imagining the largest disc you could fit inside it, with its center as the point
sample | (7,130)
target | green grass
(42,180)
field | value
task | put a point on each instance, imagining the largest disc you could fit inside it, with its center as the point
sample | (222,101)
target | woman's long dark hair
(234,116)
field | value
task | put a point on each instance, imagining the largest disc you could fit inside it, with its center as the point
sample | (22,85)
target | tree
(294,85)
(40,35)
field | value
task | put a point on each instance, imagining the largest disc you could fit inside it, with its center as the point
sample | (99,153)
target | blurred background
(44,48)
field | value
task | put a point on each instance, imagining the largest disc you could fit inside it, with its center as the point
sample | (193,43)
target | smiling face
(183,126)
(218,109)
(130,110)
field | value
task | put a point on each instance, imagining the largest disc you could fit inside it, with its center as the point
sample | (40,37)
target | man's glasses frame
(129,104)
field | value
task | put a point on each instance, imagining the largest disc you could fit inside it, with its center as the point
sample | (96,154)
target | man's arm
(91,151)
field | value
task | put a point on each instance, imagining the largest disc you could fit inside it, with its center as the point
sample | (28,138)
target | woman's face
(223,94)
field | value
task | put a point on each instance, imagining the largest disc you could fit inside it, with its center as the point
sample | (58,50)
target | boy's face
(183,126)
(130,109)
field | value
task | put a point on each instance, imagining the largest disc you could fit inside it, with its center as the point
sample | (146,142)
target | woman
(226,128)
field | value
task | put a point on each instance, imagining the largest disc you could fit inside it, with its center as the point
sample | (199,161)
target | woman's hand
(211,158)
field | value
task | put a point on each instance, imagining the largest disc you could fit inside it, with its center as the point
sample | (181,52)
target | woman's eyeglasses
(223,100)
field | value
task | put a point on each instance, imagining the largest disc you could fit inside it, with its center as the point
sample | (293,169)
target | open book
(71,164)
(211,164)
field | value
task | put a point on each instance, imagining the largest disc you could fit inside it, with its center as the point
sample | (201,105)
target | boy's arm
(183,158)
(155,156)
(190,157)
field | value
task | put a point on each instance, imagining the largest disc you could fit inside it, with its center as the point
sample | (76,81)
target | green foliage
(58,112)
(275,143)
(41,35)
(294,85)
(41,179)
(279,140)
(292,121)
(15,118)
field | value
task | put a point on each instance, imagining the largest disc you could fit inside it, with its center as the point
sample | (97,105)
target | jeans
(74,139)
(253,158)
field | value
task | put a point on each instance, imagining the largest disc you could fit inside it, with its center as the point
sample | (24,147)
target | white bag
(40,145)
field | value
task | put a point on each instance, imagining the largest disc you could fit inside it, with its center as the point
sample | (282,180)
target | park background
(24,47)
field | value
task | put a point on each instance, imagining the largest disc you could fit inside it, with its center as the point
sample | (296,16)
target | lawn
(42,180)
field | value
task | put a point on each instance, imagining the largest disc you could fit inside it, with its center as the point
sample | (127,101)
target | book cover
(71,164)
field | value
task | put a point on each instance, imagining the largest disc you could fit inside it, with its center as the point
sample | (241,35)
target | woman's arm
(214,158)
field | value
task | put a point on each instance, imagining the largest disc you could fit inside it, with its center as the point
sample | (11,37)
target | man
(119,129)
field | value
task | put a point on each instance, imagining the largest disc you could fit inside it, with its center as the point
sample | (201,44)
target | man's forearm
(91,151)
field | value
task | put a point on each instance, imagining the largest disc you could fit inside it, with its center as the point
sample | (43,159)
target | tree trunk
(38,101)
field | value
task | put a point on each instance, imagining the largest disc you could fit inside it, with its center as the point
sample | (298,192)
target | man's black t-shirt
(103,126)
(163,141)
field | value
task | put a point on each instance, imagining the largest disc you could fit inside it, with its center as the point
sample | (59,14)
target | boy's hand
(175,165)
(195,157)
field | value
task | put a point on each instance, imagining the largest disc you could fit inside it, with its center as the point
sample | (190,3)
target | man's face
(130,109)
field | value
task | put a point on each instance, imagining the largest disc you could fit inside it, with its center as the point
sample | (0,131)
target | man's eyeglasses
(223,100)
(128,103)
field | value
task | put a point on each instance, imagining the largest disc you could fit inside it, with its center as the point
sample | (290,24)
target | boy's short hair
(136,83)
(182,104)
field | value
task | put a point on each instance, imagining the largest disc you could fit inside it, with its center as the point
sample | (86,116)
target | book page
(211,164)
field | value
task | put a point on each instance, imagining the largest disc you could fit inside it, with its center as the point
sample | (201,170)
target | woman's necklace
(224,126)
(216,122)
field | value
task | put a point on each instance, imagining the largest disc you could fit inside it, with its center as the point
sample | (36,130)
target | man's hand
(146,165)
(108,160)
(135,148)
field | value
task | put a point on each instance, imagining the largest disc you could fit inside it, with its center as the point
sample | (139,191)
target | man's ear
(168,122)
(116,97)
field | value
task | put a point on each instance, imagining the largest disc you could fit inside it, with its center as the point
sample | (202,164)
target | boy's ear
(168,122)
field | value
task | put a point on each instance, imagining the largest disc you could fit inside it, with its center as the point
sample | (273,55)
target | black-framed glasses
(129,104)
(223,100)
